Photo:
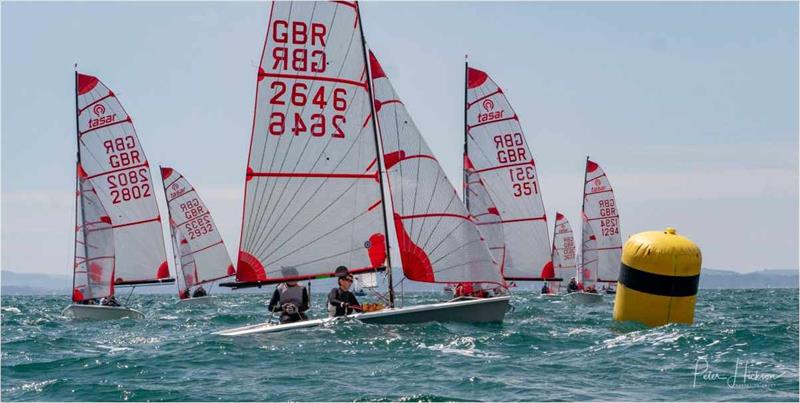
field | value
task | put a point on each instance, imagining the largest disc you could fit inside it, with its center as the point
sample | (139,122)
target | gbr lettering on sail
(302,105)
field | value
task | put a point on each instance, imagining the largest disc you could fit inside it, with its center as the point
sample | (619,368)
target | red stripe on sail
(497,91)
(193,218)
(136,222)
(202,249)
(506,166)
(110,94)
(609,248)
(380,104)
(492,121)
(126,120)
(602,218)
(413,216)
(311,175)
(375,67)
(595,178)
(371,164)
(144,164)
(394,158)
(376,204)
(314,78)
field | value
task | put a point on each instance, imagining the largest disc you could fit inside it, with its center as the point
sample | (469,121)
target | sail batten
(312,182)
(112,159)
(497,153)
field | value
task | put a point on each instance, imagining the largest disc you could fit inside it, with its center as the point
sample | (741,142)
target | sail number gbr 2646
(300,98)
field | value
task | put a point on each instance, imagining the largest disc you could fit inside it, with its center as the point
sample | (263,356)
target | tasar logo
(597,185)
(491,114)
(99,110)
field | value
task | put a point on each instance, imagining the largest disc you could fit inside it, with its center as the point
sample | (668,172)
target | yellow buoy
(658,279)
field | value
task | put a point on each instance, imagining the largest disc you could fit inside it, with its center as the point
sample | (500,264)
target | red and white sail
(563,255)
(600,210)
(485,215)
(188,267)
(587,273)
(199,240)
(498,152)
(94,246)
(437,239)
(112,158)
(312,192)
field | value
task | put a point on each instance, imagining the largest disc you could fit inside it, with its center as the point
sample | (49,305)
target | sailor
(199,292)
(572,286)
(341,301)
(545,289)
(184,294)
(109,301)
(290,298)
(463,290)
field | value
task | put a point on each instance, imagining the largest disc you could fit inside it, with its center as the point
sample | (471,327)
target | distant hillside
(14,283)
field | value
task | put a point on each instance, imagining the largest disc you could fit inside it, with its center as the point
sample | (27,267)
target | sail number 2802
(299,97)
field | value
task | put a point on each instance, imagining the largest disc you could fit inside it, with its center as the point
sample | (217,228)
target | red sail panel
(312,184)
(600,210)
(199,236)
(437,239)
(112,157)
(501,157)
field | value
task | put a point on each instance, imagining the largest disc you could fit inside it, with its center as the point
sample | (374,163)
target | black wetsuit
(337,296)
(200,292)
(572,287)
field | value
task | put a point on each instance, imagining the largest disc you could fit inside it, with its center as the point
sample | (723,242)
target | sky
(691,108)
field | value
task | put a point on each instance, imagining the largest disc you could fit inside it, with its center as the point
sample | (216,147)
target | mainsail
(313,192)
(111,157)
(600,213)
(437,239)
(587,274)
(94,246)
(564,264)
(202,252)
(496,150)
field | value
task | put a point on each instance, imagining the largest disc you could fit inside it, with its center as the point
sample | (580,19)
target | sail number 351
(299,96)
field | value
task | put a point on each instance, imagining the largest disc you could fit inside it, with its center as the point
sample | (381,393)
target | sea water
(743,345)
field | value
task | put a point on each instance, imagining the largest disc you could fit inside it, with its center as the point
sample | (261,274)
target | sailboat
(563,253)
(118,238)
(499,163)
(314,196)
(601,246)
(601,214)
(197,243)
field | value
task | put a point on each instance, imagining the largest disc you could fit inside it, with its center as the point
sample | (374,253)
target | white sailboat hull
(551,295)
(585,298)
(206,300)
(101,312)
(469,311)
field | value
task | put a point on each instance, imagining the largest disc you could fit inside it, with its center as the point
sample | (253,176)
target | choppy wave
(547,349)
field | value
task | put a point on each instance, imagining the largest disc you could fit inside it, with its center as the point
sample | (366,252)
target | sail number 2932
(298,97)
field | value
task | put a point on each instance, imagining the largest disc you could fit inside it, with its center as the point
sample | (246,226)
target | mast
(583,214)
(378,156)
(174,239)
(77,180)
(466,149)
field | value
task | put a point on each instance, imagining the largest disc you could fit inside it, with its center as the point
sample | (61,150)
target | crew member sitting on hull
(109,301)
(290,299)
(470,290)
(341,301)
(199,292)
(184,294)
(572,286)
(545,289)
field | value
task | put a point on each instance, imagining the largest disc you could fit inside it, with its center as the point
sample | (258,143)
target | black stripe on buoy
(658,284)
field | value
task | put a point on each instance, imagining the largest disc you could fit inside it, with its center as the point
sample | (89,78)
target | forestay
(600,209)
(438,242)
(564,264)
(111,157)
(94,246)
(200,243)
(499,154)
(588,270)
(312,191)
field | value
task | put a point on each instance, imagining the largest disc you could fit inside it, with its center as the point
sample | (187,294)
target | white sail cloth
(600,212)
(112,158)
(498,153)
(437,239)
(312,189)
